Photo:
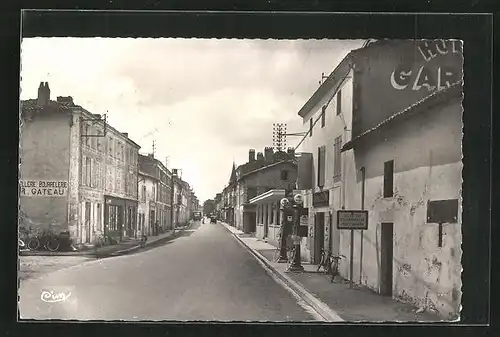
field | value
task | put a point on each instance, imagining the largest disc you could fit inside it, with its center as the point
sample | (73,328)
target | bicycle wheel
(33,244)
(52,245)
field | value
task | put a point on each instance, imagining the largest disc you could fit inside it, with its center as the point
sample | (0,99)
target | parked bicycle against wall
(104,240)
(47,240)
(330,263)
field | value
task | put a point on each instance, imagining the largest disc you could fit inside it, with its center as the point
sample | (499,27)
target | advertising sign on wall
(393,75)
(43,188)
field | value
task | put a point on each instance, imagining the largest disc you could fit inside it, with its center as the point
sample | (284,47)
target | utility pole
(279,136)
(154,147)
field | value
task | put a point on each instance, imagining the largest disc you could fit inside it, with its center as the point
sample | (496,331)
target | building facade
(393,149)
(268,171)
(91,164)
(156,180)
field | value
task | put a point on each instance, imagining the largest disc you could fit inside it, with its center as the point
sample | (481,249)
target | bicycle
(330,263)
(47,240)
(290,249)
(103,240)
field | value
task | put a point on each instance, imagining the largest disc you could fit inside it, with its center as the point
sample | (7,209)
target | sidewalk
(336,299)
(111,250)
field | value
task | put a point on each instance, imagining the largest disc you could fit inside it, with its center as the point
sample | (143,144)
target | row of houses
(80,175)
(383,134)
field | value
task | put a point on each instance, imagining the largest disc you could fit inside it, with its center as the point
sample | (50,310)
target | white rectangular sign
(43,188)
(353,219)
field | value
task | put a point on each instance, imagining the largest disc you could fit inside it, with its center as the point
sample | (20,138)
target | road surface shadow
(157,244)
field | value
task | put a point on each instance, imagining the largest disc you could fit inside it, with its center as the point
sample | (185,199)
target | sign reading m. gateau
(43,188)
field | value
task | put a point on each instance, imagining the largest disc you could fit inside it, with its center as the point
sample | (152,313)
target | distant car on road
(197,216)
(213,219)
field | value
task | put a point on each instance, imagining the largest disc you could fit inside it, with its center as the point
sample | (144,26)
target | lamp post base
(296,265)
(295,268)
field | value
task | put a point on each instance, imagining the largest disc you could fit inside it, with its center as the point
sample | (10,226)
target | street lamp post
(296,264)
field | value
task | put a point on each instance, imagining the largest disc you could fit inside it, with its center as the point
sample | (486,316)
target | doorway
(319,237)
(87,222)
(152,222)
(386,257)
(252,218)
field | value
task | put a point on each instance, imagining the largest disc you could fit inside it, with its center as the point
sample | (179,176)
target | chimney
(268,153)
(68,100)
(43,94)
(47,92)
(291,152)
(251,155)
(151,155)
(260,156)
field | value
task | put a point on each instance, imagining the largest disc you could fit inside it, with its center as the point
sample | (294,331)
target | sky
(204,102)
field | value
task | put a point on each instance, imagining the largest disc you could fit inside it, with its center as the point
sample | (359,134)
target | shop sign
(43,188)
(321,199)
(426,74)
(352,219)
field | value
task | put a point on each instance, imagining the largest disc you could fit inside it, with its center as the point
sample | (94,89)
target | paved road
(204,274)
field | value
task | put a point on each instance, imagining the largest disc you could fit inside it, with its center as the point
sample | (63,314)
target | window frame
(388,188)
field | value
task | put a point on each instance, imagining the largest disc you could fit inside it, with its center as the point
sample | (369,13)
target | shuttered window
(337,159)
(321,166)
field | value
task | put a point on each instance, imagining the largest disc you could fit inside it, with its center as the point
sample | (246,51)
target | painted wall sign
(391,76)
(43,188)
(352,219)
(424,74)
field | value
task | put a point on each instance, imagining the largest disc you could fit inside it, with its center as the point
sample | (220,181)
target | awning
(268,197)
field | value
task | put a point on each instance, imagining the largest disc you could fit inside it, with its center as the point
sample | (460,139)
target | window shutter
(321,166)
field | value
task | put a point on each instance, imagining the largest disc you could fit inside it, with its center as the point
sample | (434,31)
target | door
(252,218)
(386,256)
(319,237)
(152,222)
(87,222)
(129,222)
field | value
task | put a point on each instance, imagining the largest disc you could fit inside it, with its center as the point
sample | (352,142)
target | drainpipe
(351,264)
(363,178)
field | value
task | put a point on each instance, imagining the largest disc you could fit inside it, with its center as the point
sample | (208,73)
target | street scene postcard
(247,180)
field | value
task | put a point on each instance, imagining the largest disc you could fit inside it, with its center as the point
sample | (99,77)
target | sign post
(352,220)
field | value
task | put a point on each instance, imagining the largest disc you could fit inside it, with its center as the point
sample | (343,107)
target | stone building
(155,186)
(384,135)
(81,172)
(269,171)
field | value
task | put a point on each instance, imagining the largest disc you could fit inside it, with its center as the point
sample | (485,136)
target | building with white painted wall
(400,159)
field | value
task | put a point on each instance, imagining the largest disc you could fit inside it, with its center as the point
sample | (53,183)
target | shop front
(120,217)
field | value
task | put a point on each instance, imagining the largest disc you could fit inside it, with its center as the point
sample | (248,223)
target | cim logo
(428,75)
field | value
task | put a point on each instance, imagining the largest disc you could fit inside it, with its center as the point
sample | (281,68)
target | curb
(320,307)
(176,231)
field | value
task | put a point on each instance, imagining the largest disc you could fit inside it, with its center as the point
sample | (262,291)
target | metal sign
(352,219)
(289,218)
(442,211)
